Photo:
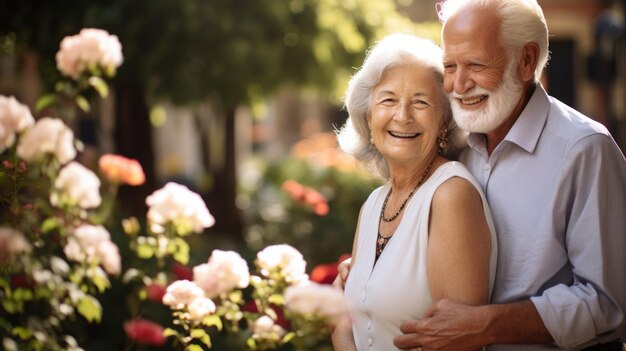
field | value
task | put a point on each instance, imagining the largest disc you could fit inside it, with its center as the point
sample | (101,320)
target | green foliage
(231,51)
(275,217)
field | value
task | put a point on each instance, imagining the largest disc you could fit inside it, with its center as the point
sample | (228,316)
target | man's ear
(528,61)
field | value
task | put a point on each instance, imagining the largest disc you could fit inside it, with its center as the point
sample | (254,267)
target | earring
(369,125)
(442,140)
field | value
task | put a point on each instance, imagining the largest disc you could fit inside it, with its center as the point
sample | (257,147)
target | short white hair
(393,50)
(522,22)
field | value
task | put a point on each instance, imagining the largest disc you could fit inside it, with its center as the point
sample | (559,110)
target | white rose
(285,259)
(14,117)
(318,300)
(74,251)
(176,204)
(109,256)
(13,242)
(200,308)
(265,325)
(225,271)
(90,48)
(93,242)
(76,185)
(181,293)
(49,136)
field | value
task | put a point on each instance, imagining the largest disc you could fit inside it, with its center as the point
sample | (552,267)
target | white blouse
(396,289)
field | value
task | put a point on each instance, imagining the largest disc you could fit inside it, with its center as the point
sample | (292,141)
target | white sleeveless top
(381,297)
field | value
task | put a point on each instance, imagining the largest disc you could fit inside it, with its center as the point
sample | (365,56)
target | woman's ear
(528,61)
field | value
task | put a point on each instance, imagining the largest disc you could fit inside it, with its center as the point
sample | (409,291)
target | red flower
(308,196)
(145,332)
(182,272)
(324,273)
(22,281)
(155,292)
(327,272)
(119,169)
(295,189)
(321,209)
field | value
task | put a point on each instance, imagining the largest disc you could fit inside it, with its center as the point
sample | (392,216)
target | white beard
(500,104)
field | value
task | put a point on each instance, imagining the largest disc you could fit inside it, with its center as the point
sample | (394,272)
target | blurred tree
(228,52)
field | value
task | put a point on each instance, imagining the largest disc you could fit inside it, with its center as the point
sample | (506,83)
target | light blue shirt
(556,186)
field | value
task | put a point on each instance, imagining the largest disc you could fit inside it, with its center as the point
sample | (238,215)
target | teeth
(472,101)
(404,135)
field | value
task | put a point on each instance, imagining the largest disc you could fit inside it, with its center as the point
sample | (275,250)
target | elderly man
(556,184)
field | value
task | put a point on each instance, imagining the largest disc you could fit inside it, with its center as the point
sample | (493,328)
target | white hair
(393,50)
(522,22)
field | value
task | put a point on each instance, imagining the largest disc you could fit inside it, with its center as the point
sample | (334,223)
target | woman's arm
(342,337)
(459,248)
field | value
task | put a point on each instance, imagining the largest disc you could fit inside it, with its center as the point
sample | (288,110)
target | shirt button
(369,325)
(370,341)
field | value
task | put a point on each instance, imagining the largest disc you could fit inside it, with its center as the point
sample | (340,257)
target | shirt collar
(527,129)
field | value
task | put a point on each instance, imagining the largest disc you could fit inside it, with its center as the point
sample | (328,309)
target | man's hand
(342,274)
(446,325)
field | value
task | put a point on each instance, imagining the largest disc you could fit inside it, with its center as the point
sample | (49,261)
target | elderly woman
(426,234)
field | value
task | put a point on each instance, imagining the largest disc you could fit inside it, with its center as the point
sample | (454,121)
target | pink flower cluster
(90,49)
(308,196)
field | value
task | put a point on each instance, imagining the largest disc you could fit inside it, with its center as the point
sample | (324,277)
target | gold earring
(369,125)
(442,140)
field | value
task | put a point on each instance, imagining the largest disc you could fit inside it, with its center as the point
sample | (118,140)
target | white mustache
(475,91)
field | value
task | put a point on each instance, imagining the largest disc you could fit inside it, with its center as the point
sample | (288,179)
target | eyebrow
(419,93)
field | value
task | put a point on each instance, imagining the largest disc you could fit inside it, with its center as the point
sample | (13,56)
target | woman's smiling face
(407,113)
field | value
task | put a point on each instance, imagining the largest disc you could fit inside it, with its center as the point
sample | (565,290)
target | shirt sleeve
(592,309)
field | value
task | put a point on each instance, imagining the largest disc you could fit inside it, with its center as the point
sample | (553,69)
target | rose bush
(58,255)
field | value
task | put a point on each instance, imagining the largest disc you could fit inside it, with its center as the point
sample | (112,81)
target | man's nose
(463,81)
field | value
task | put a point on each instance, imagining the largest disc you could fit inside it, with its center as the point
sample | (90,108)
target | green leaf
(145,251)
(276,299)
(213,321)
(90,308)
(181,251)
(11,306)
(49,224)
(82,103)
(251,344)
(170,332)
(101,281)
(99,85)
(22,332)
(201,335)
(21,294)
(194,348)
(131,274)
(288,337)
(4,283)
(45,101)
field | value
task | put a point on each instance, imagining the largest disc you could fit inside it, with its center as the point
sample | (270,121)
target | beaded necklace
(382,212)
(382,241)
